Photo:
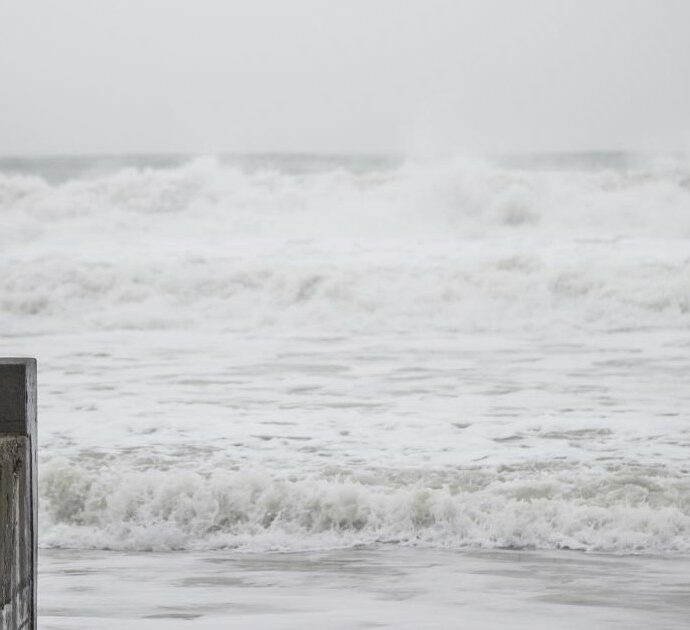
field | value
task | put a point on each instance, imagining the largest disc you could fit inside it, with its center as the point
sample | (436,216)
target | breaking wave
(621,511)
(460,244)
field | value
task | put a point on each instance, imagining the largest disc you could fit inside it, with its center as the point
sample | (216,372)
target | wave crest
(460,244)
(254,510)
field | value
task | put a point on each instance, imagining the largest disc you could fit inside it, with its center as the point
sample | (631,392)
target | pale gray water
(401,589)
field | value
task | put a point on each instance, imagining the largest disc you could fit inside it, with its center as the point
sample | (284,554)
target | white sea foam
(462,244)
(457,354)
(624,511)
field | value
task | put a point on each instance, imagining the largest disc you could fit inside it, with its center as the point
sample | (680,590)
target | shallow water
(363,588)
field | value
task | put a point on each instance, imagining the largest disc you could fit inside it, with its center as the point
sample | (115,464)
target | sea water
(275,355)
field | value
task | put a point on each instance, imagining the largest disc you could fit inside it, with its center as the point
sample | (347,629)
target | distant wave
(479,291)
(457,194)
(627,511)
(461,244)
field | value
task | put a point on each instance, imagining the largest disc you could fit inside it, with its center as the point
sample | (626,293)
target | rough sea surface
(304,354)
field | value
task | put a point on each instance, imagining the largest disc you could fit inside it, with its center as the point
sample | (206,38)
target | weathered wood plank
(16,548)
(18,540)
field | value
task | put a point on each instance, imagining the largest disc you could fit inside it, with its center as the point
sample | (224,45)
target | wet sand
(387,587)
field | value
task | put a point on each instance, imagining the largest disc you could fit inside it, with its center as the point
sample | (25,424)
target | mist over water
(283,352)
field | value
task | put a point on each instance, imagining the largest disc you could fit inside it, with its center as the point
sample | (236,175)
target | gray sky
(405,76)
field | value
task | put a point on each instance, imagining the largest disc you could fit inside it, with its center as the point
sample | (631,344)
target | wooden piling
(18,494)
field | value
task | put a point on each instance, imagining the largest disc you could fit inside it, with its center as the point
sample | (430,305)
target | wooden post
(18,494)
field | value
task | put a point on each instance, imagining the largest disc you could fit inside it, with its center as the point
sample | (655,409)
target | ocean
(415,393)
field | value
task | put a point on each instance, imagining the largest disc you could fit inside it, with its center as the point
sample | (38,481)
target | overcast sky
(372,76)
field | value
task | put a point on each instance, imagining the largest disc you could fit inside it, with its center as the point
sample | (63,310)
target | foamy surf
(624,511)
(459,355)
(463,245)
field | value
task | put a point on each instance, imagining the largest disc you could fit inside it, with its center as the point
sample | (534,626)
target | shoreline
(403,588)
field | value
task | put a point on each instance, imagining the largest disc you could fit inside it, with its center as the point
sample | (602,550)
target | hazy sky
(405,76)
